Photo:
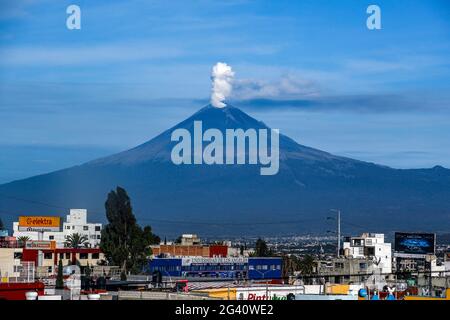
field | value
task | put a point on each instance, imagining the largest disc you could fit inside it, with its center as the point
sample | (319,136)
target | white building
(370,245)
(76,222)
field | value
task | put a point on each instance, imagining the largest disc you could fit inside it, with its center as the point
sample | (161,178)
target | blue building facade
(246,268)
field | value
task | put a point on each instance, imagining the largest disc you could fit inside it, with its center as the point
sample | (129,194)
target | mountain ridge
(309,183)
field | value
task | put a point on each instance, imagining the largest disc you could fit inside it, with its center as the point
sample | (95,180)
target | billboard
(39,223)
(415,243)
(268,293)
(40,245)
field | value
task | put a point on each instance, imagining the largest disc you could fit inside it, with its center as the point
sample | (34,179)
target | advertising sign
(200,260)
(39,223)
(268,293)
(415,243)
(40,245)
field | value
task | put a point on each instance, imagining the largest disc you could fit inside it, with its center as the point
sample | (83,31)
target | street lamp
(338,222)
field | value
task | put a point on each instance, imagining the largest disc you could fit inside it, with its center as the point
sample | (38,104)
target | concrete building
(51,258)
(197,250)
(76,222)
(189,240)
(370,246)
(345,270)
(10,263)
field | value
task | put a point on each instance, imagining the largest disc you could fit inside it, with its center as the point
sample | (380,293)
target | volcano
(231,200)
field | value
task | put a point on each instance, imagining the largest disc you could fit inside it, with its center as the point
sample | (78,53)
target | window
(363,265)
(73,227)
(17,269)
(83,256)
(95,255)
(68,227)
(339,265)
(85,228)
(61,256)
(67,255)
(17,255)
(48,255)
(51,237)
(98,228)
(99,236)
(92,236)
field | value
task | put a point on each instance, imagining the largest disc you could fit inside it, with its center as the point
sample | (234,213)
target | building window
(17,269)
(363,266)
(95,255)
(92,236)
(48,255)
(61,256)
(73,227)
(68,227)
(51,237)
(85,228)
(83,256)
(18,255)
(67,255)
(98,228)
(339,265)
(99,237)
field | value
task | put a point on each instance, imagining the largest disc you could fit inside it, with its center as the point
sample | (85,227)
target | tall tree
(124,243)
(261,249)
(76,241)
(59,277)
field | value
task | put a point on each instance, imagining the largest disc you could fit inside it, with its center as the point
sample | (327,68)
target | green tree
(59,277)
(306,265)
(261,249)
(124,242)
(22,240)
(76,241)
(87,270)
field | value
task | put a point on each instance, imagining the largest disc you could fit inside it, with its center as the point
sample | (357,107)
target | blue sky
(310,68)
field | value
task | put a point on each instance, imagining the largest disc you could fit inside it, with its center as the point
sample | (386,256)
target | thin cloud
(85,55)
(362,103)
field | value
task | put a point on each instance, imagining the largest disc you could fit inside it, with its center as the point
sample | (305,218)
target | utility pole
(338,231)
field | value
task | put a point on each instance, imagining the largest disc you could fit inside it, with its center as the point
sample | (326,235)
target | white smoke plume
(222,78)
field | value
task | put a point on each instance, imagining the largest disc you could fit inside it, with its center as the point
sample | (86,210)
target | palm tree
(22,240)
(306,265)
(76,240)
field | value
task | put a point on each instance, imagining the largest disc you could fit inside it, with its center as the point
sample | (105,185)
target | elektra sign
(190,150)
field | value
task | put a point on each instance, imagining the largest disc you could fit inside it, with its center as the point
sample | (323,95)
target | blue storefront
(246,268)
